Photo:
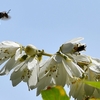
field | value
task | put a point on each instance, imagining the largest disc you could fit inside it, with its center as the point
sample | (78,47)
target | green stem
(41,52)
(47,54)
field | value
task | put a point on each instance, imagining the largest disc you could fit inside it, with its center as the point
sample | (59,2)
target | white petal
(19,54)
(33,78)
(8,48)
(91,75)
(57,58)
(77,90)
(95,62)
(9,44)
(19,64)
(75,69)
(43,83)
(3,59)
(32,63)
(18,73)
(98,60)
(8,66)
(67,68)
(16,81)
(95,69)
(67,48)
(81,58)
(76,40)
(46,66)
(61,78)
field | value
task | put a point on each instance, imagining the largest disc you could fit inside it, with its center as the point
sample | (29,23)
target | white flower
(7,53)
(23,61)
(95,66)
(26,67)
(57,70)
(81,60)
(72,46)
(51,72)
(26,71)
(94,70)
(7,50)
(66,67)
(93,74)
(77,89)
(90,65)
(33,66)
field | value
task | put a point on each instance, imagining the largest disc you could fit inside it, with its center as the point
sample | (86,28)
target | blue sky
(47,24)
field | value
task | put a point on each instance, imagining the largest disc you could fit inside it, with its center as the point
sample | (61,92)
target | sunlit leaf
(93,84)
(54,93)
(94,99)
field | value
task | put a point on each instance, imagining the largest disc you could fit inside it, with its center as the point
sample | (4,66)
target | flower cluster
(68,66)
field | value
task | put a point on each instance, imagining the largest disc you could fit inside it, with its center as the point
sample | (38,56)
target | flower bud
(31,50)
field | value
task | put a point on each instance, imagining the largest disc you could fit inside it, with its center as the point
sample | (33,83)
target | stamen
(46,71)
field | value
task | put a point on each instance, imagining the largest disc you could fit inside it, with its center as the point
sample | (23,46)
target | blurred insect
(4,15)
(71,46)
(79,48)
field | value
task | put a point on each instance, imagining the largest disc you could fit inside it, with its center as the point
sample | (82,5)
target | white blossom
(23,61)
(78,89)
(7,50)
(57,70)
(26,71)
(7,54)
(66,67)
(26,67)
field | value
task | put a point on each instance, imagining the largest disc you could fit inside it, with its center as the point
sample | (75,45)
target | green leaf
(93,84)
(54,93)
(93,99)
